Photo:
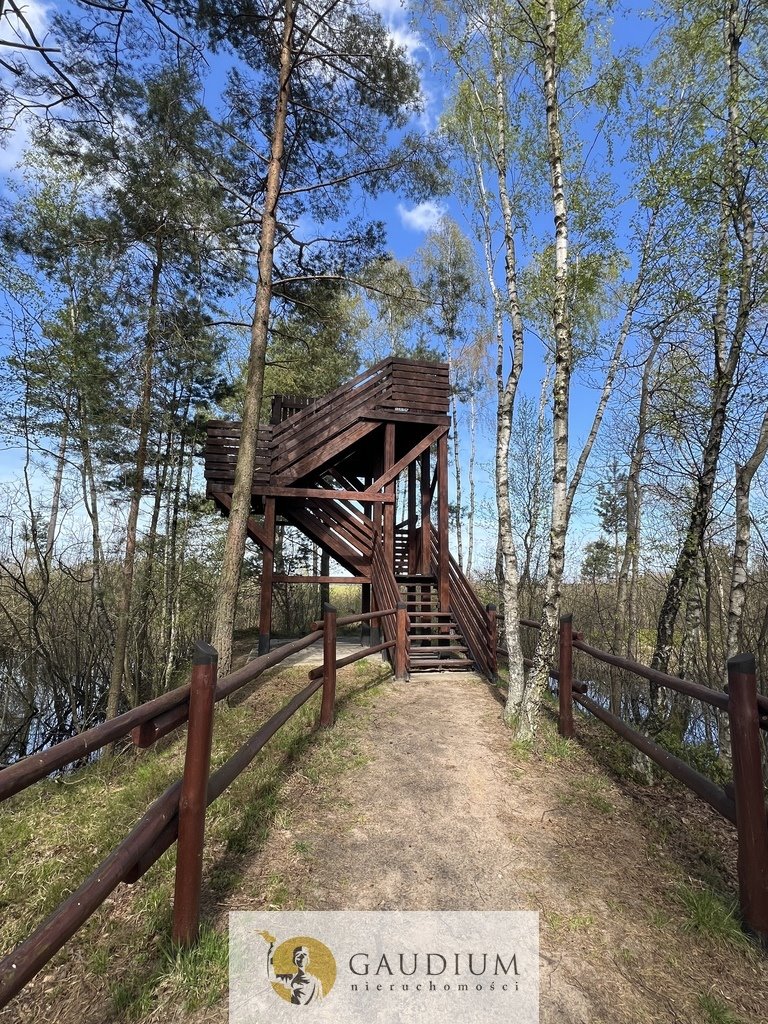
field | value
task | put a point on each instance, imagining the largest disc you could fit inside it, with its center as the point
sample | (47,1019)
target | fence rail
(743,803)
(178,814)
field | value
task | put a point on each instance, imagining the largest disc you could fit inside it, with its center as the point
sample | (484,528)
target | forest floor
(418,799)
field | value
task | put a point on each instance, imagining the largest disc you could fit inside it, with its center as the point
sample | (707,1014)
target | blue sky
(408,223)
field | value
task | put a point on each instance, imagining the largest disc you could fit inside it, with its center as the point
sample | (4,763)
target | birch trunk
(234,549)
(507,392)
(471,474)
(456,464)
(735,213)
(561,386)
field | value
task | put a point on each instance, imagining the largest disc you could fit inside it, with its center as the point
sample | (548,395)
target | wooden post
(412,535)
(565,684)
(443,583)
(329,667)
(493,642)
(365,607)
(193,799)
(389,510)
(426,504)
(751,825)
(267,572)
(401,650)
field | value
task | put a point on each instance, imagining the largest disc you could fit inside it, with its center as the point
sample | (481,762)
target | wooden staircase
(329,466)
(436,642)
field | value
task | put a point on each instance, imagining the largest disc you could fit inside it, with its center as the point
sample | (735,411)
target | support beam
(412,535)
(406,460)
(267,572)
(320,579)
(389,510)
(365,607)
(324,494)
(255,531)
(442,522)
(426,505)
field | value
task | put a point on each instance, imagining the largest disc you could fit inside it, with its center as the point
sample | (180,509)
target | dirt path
(437,811)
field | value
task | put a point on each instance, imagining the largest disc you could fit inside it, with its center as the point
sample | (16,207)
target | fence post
(565,683)
(193,799)
(751,825)
(493,641)
(401,648)
(329,667)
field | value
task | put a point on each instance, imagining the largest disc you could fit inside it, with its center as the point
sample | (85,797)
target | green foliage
(716,1011)
(704,757)
(707,914)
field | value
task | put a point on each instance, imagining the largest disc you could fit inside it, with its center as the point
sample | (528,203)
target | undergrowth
(56,833)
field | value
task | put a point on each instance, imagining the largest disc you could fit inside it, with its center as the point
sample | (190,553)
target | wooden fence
(178,815)
(743,802)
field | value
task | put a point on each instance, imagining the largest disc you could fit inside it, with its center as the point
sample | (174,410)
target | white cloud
(396,17)
(35,14)
(423,217)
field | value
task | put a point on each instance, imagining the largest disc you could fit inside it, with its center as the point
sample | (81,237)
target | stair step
(415,578)
(447,664)
(435,636)
(425,652)
(417,614)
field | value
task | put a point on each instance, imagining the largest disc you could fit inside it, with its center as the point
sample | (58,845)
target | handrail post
(193,799)
(565,683)
(493,662)
(401,648)
(751,825)
(329,667)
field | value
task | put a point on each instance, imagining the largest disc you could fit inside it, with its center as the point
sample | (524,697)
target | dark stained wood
(389,510)
(412,521)
(339,549)
(255,531)
(331,465)
(565,676)
(426,505)
(326,494)
(193,799)
(443,582)
(401,648)
(279,578)
(394,470)
(327,707)
(409,417)
(327,451)
(267,570)
(751,824)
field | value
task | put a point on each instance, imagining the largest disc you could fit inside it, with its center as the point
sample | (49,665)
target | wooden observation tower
(331,466)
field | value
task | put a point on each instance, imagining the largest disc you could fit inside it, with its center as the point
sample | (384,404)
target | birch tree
(728,171)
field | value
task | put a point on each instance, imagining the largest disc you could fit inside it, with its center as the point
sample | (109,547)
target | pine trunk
(234,549)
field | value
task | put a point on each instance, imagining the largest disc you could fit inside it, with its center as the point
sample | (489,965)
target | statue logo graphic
(302,970)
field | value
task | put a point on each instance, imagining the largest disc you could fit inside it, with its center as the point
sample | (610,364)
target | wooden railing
(743,803)
(385,592)
(179,813)
(476,621)
(312,435)
(222,443)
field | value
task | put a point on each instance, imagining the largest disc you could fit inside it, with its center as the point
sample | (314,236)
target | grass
(54,835)
(716,1012)
(709,915)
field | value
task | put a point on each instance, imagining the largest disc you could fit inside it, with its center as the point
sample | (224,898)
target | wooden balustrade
(179,814)
(744,804)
